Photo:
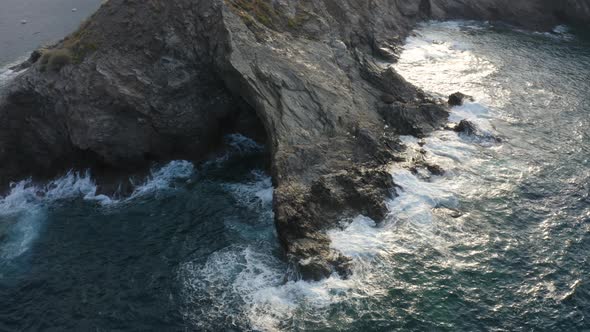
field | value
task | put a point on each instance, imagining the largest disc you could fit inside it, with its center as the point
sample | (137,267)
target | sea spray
(496,243)
(23,209)
(26,203)
(252,278)
(161,179)
(7,74)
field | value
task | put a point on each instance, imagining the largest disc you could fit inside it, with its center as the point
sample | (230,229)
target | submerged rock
(145,81)
(466,127)
(457,99)
(469,128)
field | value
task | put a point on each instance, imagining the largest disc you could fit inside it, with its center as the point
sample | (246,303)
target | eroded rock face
(531,14)
(154,80)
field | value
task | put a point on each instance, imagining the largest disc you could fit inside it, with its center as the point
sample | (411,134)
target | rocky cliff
(149,80)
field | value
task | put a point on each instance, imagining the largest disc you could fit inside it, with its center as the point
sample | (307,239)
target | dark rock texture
(458,98)
(531,14)
(466,127)
(155,80)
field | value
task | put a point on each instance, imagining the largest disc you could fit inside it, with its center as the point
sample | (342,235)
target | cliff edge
(151,80)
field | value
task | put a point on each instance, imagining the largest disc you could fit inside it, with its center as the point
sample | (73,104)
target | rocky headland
(153,80)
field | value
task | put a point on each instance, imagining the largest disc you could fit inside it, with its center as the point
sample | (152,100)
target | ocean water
(47,21)
(498,243)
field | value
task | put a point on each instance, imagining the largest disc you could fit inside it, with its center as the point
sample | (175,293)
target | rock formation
(149,80)
(458,99)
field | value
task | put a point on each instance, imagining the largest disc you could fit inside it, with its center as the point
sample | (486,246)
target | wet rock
(388,99)
(420,166)
(466,127)
(160,80)
(537,15)
(458,98)
(319,265)
(435,169)
(34,57)
(448,212)
(416,119)
(469,128)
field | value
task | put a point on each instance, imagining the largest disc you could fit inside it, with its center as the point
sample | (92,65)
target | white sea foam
(458,68)
(245,287)
(242,144)
(560,32)
(7,74)
(165,177)
(238,145)
(24,208)
(21,216)
(255,194)
(246,283)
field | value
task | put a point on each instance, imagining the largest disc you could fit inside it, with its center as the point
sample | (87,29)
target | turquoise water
(499,243)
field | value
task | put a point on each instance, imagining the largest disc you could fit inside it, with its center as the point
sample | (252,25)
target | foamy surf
(24,208)
(7,74)
(26,203)
(175,172)
(458,67)
(237,145)
(246,287)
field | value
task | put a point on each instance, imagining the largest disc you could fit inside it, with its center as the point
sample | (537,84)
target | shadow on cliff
(148,81)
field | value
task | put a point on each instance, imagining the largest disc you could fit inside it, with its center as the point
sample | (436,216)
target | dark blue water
(72,260)
(499,243)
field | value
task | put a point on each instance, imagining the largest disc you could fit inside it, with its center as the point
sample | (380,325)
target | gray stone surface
(155,80)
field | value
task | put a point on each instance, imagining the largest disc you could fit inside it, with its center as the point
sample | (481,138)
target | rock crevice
(155,80)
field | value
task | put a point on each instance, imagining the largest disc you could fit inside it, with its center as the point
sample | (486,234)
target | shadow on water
(80,261)
(499,242)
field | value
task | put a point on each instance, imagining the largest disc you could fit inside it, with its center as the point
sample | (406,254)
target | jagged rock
(414,119)
(530,14)
(155,80)
(35,55)
(458,98)
(469,128)
(435,169)
(388,99)
(466,127)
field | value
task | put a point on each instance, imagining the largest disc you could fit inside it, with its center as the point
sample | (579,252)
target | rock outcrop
(530,14)
(152,80)
(458,99)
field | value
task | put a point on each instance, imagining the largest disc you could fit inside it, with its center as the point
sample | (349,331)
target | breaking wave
(444,238)
(489,242)
(24,208)
(7,74)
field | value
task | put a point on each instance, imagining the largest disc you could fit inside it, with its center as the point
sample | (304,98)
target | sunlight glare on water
(500,242)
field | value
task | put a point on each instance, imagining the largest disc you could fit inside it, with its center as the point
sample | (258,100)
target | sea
(500,242)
